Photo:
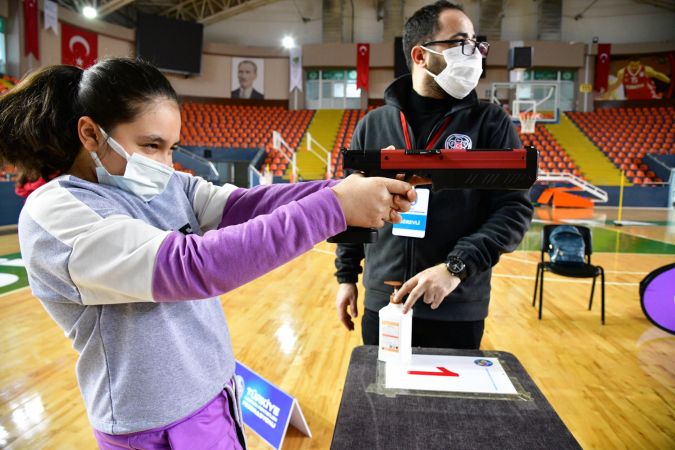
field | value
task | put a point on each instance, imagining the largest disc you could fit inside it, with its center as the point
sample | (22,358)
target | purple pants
(210,427)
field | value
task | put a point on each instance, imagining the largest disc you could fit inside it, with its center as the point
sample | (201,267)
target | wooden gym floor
(612,385)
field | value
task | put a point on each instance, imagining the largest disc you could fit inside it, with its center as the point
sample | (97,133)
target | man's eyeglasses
(469,46)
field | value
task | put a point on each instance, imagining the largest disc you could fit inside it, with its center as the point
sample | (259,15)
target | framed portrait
(248,78)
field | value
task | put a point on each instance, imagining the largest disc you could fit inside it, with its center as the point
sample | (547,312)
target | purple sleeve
(194,267)
(244,204)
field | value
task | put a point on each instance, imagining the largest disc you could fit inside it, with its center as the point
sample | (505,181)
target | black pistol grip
(355,235)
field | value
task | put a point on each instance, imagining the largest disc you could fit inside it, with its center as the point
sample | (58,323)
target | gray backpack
(566,246)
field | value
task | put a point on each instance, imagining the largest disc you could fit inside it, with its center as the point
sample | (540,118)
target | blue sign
(266,409)
(414,222)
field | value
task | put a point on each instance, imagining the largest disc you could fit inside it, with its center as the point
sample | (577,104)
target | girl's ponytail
(38,122)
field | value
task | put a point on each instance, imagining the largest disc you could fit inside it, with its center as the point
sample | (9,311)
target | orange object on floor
(560,197)
(561,214)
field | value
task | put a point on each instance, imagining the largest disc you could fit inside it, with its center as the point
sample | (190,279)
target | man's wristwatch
(456,267)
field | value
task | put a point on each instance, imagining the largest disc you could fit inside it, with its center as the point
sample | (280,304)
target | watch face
(457,266)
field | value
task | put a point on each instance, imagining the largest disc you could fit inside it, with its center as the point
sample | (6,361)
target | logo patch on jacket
(186,229)
(458,142)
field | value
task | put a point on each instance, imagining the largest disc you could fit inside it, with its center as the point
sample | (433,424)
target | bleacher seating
(626,135)
(344,137)
(7,82)
(552,157)
(181,168)
(240,126)
(7,172)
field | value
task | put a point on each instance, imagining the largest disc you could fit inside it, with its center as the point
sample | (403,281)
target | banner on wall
(362,65)
(51,16)
(640,77)
(248,78)
(296,69)
(78,47)
(602,61)
(30,28)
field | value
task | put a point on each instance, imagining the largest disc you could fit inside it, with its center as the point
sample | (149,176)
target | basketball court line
(528,261)
(561,280)
(498,275)
(13,274)
(609,240)
(4,294)
(526,277)
(629,233)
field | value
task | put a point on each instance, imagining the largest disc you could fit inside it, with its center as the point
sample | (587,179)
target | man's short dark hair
(423,26)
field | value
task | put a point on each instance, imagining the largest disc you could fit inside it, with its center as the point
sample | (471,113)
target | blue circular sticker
(483,362)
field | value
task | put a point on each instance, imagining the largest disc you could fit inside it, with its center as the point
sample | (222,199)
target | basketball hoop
(528,120)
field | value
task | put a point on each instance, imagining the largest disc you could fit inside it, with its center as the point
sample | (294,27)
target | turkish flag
(78,47)
(362,65)
(30,28)
(602,67)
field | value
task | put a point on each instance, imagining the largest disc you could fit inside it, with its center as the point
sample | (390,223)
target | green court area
(12,273)
(605,241)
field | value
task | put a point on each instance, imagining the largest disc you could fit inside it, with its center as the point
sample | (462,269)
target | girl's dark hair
(423,26)
(38,118)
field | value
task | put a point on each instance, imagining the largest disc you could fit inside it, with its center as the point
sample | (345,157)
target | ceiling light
(89,12)
(288,42)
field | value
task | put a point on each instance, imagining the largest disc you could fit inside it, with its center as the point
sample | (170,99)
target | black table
(370,419)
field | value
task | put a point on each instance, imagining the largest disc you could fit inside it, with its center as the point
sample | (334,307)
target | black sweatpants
(429,333)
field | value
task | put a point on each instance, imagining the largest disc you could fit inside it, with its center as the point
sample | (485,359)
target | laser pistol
(447,169)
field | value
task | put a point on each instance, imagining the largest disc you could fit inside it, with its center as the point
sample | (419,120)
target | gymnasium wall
(638,196)
(263,27)
(616,21)
(114,40)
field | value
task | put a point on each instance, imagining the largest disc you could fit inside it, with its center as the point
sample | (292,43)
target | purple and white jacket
(120,278)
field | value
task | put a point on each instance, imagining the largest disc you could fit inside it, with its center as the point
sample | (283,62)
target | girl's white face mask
(461,73)
(144,177)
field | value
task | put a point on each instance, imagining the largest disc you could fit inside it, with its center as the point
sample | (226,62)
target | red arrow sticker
(443,372)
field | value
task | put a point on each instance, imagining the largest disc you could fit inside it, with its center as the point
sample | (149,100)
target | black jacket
(475,225)
(255,95)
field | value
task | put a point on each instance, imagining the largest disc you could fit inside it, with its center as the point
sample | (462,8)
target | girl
(119,248)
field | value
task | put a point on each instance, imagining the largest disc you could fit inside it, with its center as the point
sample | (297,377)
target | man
(247,72)
(637,80)
(467,230)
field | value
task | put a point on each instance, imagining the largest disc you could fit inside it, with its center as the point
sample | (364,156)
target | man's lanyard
(434,140)
(414,222)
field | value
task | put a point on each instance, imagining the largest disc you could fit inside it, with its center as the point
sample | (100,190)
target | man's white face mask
(461,73)
(144,177)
